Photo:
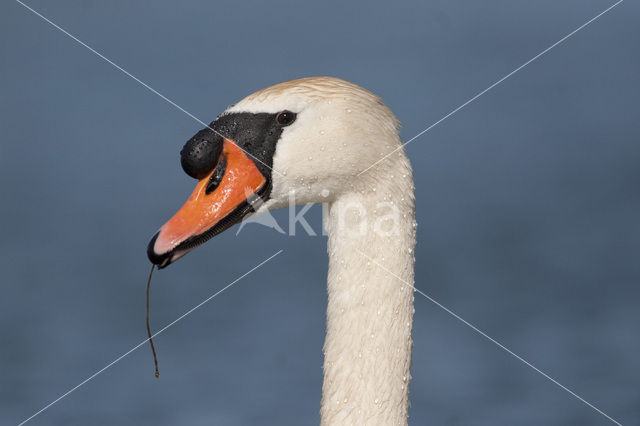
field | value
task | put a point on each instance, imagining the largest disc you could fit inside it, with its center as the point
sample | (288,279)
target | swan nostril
(200,154)
(217,175)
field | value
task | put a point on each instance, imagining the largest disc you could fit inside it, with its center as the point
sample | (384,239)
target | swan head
(313,137)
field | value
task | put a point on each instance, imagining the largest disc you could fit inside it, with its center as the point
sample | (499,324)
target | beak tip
(161,260)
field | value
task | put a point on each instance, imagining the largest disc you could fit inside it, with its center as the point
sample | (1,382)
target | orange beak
(220,200)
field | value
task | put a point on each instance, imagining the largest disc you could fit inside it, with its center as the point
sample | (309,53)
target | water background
(528,208)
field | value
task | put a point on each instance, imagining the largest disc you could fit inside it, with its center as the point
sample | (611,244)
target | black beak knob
(200,154)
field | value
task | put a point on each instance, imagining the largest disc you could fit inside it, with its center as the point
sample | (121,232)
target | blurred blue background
(528,209)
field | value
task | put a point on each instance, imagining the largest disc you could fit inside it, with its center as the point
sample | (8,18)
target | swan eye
(284,118)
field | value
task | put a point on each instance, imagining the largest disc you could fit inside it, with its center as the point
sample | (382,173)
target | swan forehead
(296,95)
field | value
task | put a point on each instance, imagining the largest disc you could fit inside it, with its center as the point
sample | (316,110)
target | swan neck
(367,351)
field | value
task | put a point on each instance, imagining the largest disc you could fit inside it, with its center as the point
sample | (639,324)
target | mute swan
(315,138)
